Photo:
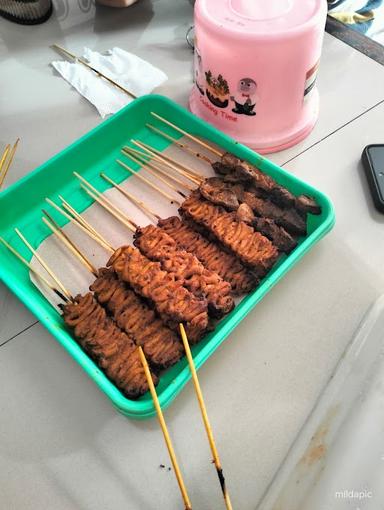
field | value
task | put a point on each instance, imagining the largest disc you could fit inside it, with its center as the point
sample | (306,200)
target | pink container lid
(256,64)
(269,18)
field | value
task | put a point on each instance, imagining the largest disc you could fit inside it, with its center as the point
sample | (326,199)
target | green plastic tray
(21,205)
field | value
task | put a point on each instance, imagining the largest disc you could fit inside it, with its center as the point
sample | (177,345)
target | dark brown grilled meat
(236,170)
(251,247)
(211,255)
(157,245)
(286,217)
(173,302)
(283,241)
(217,191)
(307,204)
(161,345)
(112,349)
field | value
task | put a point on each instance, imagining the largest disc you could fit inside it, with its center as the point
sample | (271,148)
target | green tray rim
(145,409)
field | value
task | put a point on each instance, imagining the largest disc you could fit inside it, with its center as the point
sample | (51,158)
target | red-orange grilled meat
(157,245)
(210,254)
(161,345)
(173,302)
(112,349)
(251,247)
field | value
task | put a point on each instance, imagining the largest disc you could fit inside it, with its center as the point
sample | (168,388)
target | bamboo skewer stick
(151,164)
(183,146)
(191,137)
(74,250)
(205,418)
(4,157)
(164,429)
(60,234)
(111,210)
(128,195)
(181,172)
(7,164)
(45,265)
(96,238)
(99,73)
(67,206)
(147,181)
(34,271)
(148,167)
(167,183)
(101,198)
(168,160)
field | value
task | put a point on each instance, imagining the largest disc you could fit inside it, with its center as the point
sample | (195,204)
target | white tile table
(62,446)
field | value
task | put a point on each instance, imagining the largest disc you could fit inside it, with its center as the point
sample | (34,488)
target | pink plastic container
(256,64)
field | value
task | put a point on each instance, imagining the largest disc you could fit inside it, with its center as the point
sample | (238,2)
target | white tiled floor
(62,446)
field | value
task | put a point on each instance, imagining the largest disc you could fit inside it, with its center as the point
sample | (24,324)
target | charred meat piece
(211,255)
(259,179)
(112,349)
(235,170)
(157,245)
(131,313)
(245,213)
(216,191)
(173,302)
(306,204)
(283,241)
(251,247)
(288,218)
(253,200)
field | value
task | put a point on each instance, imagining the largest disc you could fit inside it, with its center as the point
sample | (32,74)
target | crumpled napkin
(128,70)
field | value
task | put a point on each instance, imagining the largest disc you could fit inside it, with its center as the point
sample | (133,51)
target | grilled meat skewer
(159,246)
(172,301)
(237,170)
(210,254)
(280,222)
(132,314)
(251,247)
(112,349)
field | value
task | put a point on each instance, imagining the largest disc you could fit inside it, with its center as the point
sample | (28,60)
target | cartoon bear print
(245,99)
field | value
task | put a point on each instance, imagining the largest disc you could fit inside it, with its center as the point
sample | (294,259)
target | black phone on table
(373,162)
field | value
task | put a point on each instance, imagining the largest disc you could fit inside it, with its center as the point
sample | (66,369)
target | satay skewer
(112,210)
(79,218)
(148,182)
(98,238)
(99,73)
(44,265)
(4,157)
(163,158)
(163,425)
(131,197)
(183,146)
(191,137)
(58,232)
(6,164)
(151,163)
(152,389)
(33,270)
(155,174)
(157,156)
(204,415)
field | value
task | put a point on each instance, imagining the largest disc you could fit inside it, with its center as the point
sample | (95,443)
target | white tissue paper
(128,70)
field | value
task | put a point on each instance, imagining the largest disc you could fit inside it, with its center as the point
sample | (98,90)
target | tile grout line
(334,131)
(19,333)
